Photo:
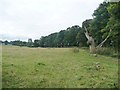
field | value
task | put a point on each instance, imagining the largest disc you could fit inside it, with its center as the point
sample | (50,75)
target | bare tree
(91,41)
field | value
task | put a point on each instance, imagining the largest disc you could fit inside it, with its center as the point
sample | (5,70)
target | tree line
(72,36)
(105,18)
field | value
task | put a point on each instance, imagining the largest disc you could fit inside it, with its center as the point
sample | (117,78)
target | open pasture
(24,67)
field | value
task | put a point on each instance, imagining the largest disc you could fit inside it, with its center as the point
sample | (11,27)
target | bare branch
(85,29)
(86,33)
(101,44)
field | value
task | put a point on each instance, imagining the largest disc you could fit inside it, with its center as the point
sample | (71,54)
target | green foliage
(81,39)
(114,10)
(18,43)
(114,23)
(64,38)
(36,43)
(6,42)
(99,21)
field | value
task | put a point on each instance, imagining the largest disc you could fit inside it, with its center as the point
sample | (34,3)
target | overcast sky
(23,19)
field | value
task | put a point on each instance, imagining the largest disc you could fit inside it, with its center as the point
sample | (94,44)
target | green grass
(25,67)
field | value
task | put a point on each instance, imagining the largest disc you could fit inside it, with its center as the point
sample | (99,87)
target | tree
(36,43)
(80,38)
(70,36)
(91,41)
(59,40)
(30,43)
(94,27)
(42,41)
(64,38)
(6,42)
(99,22)
(114,23)
(18,43)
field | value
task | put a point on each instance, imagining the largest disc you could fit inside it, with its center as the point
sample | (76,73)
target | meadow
(24,67)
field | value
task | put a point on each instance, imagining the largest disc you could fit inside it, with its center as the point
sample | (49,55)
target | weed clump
(41,64)
(95,67)
(12,64)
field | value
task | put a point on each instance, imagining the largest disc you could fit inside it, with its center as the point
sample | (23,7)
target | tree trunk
(90,42)
(92,47)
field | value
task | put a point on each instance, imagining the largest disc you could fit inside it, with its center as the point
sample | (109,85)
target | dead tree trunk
(91,41)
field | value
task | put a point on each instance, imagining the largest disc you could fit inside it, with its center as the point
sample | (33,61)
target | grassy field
(25,67)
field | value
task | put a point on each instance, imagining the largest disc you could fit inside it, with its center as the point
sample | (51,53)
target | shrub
(75,49)
(104,51)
